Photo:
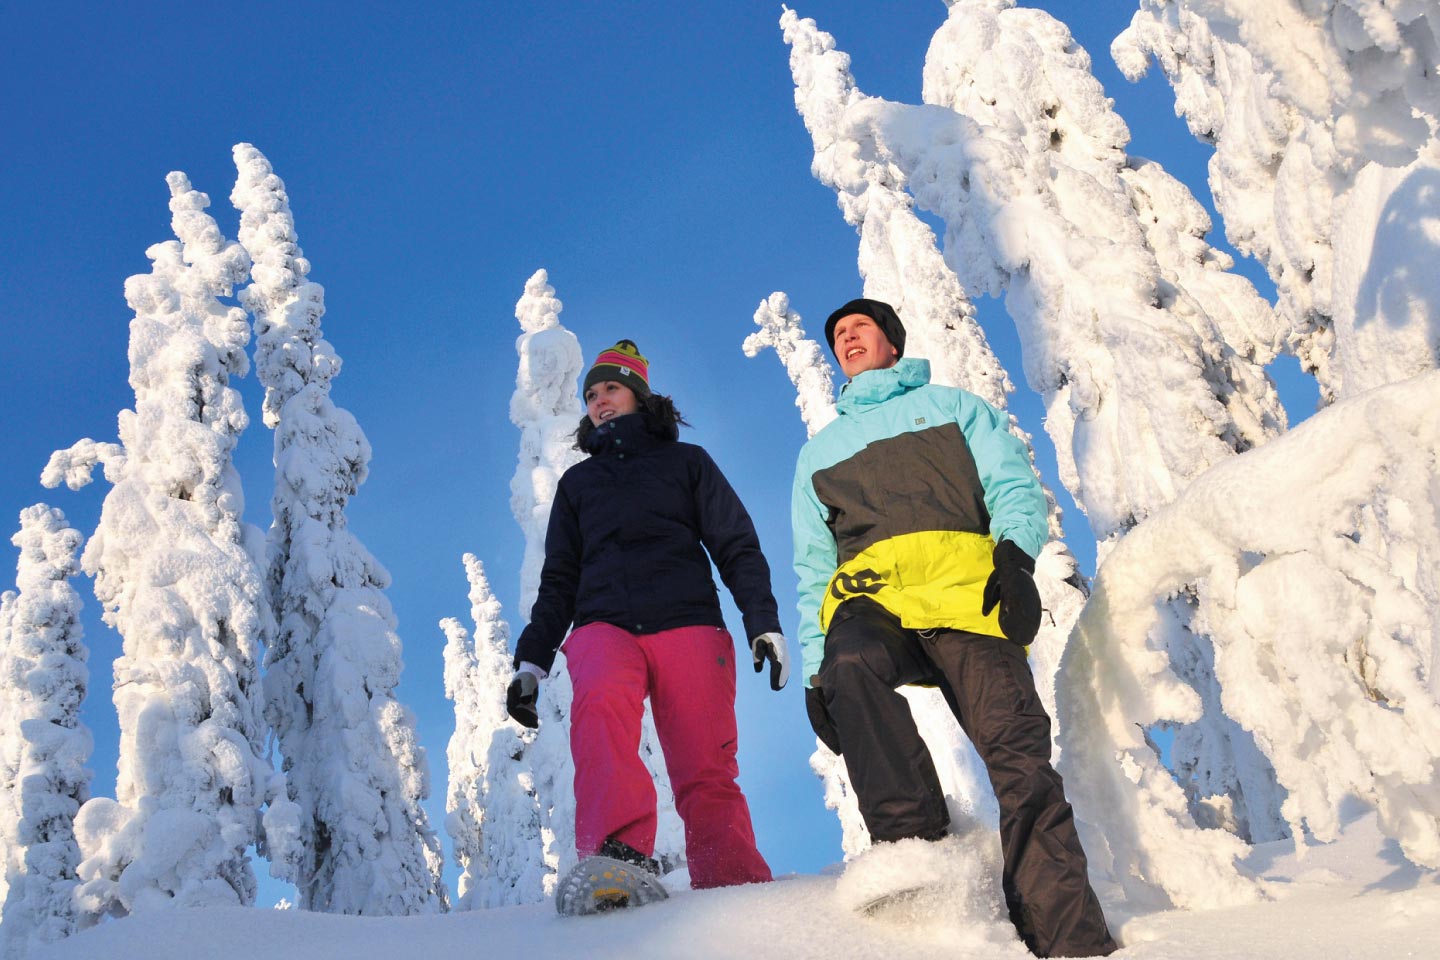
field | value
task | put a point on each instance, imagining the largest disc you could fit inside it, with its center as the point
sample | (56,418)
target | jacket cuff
(1007,554)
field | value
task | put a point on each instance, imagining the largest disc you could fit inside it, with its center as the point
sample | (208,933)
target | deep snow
(1354,899)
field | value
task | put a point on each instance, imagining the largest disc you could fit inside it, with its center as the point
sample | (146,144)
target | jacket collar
(627,434)
(877,386)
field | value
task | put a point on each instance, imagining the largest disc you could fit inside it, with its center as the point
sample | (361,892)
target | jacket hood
(877,386)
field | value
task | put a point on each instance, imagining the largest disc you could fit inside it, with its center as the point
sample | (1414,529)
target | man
(917,518)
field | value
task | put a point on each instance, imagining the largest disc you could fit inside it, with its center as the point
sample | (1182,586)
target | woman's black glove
(521,697)
(820,721)
(1012,586)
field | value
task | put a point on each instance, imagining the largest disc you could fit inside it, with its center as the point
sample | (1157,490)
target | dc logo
(866,582)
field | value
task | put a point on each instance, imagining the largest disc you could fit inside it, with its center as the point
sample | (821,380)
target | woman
(626,563)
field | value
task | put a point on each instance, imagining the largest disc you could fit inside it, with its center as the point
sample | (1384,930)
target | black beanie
(882,313)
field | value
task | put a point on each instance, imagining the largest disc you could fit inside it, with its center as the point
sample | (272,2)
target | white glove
(771,646)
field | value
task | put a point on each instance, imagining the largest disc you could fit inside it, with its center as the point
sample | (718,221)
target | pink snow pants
(689,675)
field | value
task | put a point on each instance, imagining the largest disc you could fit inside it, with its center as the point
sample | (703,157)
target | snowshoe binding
(615,878)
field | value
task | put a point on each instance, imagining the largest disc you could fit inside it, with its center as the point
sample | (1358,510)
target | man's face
(860,345)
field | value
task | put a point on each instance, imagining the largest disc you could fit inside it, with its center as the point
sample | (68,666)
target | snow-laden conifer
(1322,644)
(1135,364)
(493,812)
(1325,169)
(1036,205)
(1323,117)
(176,572)
(351,756)
(43,743)
(546,409)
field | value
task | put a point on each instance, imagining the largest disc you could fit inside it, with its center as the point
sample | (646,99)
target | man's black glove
(820,719)
(1012,586)
(521,697)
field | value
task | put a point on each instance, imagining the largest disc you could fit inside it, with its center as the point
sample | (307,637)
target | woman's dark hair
(661,419)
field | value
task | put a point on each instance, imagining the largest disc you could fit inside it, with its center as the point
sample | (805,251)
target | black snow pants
(988,685)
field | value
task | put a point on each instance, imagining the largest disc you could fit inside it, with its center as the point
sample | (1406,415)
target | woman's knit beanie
(623,364)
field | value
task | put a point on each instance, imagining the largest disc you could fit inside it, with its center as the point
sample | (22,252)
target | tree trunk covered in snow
(43,744)
(177,574)
(354,766)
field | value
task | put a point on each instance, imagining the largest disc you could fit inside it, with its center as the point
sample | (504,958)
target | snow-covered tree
(1148,379)
(493,812)
(351,756)
(177,575)
(546,408)
(1323,117)
(43,743)
(1326,169)
(1322,645)
(1148,353)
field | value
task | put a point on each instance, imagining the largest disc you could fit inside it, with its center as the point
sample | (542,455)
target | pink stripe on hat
(622,360)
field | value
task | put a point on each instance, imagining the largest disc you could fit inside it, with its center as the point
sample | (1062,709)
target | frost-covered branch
(803,358)
(75,466)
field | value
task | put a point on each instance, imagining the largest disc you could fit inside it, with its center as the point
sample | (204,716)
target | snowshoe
(598,884)
(892,902)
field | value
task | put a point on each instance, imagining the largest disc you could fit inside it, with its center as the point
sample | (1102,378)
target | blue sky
(648,155)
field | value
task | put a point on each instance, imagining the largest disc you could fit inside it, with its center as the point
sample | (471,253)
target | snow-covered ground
(1355,899)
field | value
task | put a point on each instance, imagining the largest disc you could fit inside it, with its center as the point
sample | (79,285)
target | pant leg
(868,654)
(692,695)
(1046,886)
(614,795)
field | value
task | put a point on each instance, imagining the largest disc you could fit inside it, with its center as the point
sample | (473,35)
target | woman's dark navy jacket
(624,545)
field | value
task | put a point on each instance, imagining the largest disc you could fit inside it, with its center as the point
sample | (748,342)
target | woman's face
(607,400)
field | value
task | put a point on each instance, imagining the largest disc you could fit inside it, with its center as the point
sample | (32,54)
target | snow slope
(1354,899)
